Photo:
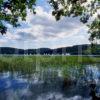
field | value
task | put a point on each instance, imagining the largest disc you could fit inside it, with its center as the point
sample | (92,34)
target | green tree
(85,9)
(12,10)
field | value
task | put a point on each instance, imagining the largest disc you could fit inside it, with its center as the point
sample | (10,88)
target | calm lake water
(51,84)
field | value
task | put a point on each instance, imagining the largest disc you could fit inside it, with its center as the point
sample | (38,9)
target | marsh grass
(29,64)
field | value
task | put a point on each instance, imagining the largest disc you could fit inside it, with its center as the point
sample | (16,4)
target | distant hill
(73,50)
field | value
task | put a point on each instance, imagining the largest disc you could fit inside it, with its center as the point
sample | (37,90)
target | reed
(29,64)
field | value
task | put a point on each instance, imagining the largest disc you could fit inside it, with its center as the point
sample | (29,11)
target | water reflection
(51,84)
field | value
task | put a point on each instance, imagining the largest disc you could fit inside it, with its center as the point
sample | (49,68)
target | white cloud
(2,42)
(42,29)
(43,24)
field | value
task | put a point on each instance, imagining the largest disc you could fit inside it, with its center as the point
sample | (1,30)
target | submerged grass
(29,64)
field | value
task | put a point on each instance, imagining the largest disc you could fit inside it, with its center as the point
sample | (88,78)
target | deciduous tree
(13,10)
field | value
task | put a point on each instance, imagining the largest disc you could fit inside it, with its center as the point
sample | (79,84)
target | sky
(42,30)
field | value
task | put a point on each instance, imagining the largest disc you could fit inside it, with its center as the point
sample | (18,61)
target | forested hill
(73,50)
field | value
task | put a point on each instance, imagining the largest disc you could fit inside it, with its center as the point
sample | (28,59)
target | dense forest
(72,50)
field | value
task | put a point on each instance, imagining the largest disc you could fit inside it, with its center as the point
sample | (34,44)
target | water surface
(59,83)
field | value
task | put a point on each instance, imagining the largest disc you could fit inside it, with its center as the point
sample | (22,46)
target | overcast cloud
(42,30)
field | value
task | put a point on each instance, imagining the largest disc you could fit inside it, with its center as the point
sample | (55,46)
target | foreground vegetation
(29,64)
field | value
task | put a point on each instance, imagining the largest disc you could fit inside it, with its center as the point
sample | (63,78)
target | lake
(51,83)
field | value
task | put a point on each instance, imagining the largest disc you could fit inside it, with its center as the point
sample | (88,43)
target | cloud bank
(42,30)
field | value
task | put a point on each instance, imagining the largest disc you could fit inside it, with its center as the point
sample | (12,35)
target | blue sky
(42,30)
